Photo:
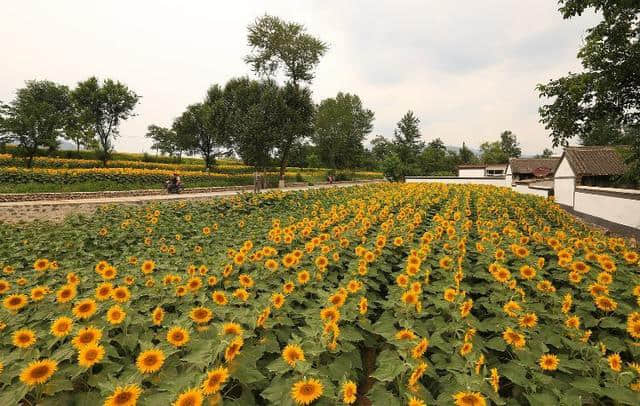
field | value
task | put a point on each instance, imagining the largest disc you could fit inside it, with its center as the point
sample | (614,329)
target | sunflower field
(385,294)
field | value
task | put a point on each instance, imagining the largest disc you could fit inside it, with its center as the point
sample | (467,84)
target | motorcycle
(173,188)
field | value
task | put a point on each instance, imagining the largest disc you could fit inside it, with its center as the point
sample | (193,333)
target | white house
(471,171)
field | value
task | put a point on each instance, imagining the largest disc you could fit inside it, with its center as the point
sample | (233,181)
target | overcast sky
(468,69)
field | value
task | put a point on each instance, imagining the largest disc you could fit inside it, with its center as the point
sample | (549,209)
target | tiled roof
(527,165)
(595,160)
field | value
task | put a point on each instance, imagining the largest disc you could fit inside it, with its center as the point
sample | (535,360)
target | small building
(471,171)
(520,169)
(495,169)
(586,166)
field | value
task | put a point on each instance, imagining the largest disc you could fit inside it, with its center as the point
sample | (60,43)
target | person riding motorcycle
(174,185)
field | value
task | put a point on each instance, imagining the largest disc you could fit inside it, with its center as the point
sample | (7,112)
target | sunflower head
(38,372)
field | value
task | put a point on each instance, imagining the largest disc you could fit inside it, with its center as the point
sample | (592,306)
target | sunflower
(215,380)
(288,287)
(278,300)
(23,338)
(573,322)
(233,349)
(66,293)
(38,372)
(450,294)
(124,396)
(363,305)
(405,334)
(303,277)
(337,299)
(528,320)
(466,349)
(90,355)
(157,316)
(147,267)
(304,392)
(527,272)
(219,297)
(5,286)
(605,304)
(615,363)
(413,401)
(469,399)
(514,338)
(349,392)
(549,362)
(417,373)
(38,293)
(115,315)
(231,329)
(85,309)
(241,294)
(201,315)
(61,326)
(15,302)
(633,328)
(190,397)
(177,336)
(420,348)
(321,262)
(292,353)
(41,264)
(86,336)
(193,284)
(150,361)
(121,294)
(465,308)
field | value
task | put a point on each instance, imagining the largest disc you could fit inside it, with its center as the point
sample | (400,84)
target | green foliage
(466,156)
(546,153)
(341,125)
(36,117)
(104,105)
(492,153)
(276,43)
(164,139)
(509,144)
(406,138)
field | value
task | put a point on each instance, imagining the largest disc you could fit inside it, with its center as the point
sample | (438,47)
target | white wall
(531,191)
(617,209)
(494,180)
(471,172)
(564,181)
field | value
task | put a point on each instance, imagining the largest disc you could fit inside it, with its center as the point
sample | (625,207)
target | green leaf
(389,366)
(379,395)
(589,385)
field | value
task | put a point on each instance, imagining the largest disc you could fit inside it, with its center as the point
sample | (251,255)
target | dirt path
(57,210)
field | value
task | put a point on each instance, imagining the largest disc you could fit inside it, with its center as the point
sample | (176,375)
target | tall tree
(546,153)
(341,125)
(105,105)
(164,139)
(78,129)
(406,138)
(466,156)
(36,117)
(297,122)
(380,147)
(509,144)
(256,111)
(600,105)
(492,153)
(206,126)
(276,43)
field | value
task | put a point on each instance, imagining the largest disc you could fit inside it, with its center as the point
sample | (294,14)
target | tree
(255,118)
(36,117)
(406,138)
(205,125)
(105,106)
(341,125)
(509,144)
(546,153)
(437,144)
(277,43)
(164,139)
(296,123)
(380,147)
(601,105)
(492,153)
(78,129)
(466,156)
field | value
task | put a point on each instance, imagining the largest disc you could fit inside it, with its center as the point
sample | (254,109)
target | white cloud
(468,69)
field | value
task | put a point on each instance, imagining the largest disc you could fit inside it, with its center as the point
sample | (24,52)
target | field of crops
(383,294)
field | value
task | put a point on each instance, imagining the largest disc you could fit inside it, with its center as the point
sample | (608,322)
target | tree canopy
(341,125)
(36,117)
(104,105)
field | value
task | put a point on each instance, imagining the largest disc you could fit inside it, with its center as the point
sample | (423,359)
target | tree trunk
(30,160)
(78,146)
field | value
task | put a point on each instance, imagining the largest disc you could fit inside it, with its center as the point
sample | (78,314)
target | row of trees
(88,115)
